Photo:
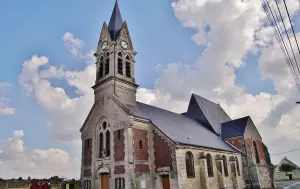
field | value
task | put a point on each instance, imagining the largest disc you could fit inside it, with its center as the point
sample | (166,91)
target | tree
(286,168)
(20,179)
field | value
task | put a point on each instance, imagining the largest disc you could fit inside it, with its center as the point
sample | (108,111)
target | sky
(223,51)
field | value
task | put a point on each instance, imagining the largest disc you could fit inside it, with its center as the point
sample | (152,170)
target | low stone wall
(283,176)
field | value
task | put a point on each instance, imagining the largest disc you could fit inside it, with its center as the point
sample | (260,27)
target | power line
(279,37)
(287,11)
(287,35)
(285,152)
(272,19)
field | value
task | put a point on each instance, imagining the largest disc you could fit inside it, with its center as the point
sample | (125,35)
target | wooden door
(104,181)
(165,181)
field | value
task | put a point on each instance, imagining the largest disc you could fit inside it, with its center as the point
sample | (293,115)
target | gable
(251,130)
(234,128)
(211,114)
(125,35)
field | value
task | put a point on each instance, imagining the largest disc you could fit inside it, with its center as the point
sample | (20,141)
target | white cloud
(5,109)
(16,160)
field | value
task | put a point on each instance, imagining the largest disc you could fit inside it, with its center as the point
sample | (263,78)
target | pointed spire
(115,23)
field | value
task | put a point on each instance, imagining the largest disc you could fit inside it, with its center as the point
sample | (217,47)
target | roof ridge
(196,95)
(158,108)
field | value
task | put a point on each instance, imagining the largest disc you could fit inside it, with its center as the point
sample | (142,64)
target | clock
(124,44)
(104,45)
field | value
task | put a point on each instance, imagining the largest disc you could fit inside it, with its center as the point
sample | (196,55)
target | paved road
(291,184)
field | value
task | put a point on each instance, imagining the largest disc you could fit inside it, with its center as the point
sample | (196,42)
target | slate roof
(181,128)
(234,128)
(115,23)
(208,113)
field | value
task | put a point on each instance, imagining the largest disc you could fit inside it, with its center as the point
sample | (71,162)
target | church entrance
(165,181)
(104,181)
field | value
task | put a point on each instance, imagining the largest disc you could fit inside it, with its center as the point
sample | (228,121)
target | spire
(115,23)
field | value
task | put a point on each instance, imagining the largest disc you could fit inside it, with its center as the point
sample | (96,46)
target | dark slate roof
(180,128)
(234,128)
(208,113)
(115,23)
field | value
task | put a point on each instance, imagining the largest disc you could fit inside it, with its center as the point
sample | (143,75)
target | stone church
(127,144)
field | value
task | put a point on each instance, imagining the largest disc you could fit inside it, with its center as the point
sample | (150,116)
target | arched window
(107,143)
(100,144)
(256,152)
(225,165)
(106,66)
(101,67)
(128,67)
(209,165)
(120,63)
(189,163)
(237,166)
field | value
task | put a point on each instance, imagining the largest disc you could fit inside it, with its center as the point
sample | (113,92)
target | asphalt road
(290,184)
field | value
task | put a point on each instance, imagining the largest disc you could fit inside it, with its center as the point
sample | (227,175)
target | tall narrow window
(256,152)
(120,63)
(107,143)
(100,144)
(101,68)
(128,67)
(237,166)
(106,63)
(141,145)
(189,163)
(225,165)
(209,165)
(119,134)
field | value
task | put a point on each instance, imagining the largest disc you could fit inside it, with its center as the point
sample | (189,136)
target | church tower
(115,62)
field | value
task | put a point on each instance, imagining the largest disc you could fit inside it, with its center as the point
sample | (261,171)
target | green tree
(286,168)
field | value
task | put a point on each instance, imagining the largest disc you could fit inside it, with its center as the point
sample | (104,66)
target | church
(127,144)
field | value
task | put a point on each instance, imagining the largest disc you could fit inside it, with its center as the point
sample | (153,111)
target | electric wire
(279,36)
(289,38)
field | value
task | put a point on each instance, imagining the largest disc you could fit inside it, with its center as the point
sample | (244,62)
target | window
(237,166)
(256,152)
(104,125)
(189,163)
(119,134)
(141,145)
(107,143)
(225,165)
(101,68)
(209,162)
(119,183)
(219,166)
(106,63)
(120,63)
(128,67)
(87,184)
(100,144)
(88,143)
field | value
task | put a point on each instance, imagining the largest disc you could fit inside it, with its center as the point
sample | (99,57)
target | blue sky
(36,28)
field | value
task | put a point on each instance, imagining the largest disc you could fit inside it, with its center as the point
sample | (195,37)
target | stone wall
(202,180)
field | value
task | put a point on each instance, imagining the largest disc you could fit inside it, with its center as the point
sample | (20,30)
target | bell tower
(115,59)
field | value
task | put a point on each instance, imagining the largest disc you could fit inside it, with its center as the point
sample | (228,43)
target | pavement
(288,184)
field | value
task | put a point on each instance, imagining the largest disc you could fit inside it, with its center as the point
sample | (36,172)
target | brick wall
(260,150)
(140,144)
(119,169)
(141,168)
(119,146)
(87,172)
(236,142)
(87,150)
(162,152)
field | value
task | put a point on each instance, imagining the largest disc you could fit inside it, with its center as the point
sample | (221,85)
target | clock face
(104,45)
(124,44)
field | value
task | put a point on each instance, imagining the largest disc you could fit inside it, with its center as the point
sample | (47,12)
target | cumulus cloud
(236,29)
(16,160)
(5,109)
